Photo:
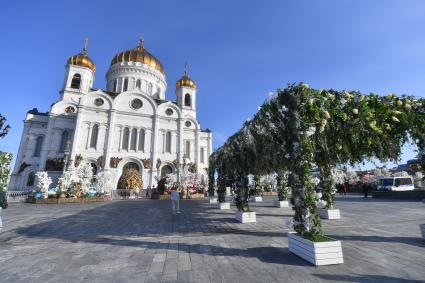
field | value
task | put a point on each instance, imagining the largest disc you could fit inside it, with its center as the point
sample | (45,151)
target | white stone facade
(130,121)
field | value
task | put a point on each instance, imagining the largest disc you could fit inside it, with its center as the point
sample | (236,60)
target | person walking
(175,199)
(3,205)
(365,189)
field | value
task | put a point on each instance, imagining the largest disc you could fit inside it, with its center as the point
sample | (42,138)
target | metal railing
(17,196)
(128,194)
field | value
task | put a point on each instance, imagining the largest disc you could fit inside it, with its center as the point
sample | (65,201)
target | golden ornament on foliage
(399,103)
(395,119)
(355,111)
(130,179)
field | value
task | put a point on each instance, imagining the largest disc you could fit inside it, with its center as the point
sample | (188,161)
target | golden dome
(185,80)
(82,59)
(138,54)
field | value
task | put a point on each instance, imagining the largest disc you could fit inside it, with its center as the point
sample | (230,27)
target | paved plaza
(141,241)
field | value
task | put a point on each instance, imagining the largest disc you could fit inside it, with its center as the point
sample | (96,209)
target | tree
(5,160)
(282,190)
(103,182)
(4,129)
(43,183)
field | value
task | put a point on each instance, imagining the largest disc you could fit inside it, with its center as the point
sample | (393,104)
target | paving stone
(141,241)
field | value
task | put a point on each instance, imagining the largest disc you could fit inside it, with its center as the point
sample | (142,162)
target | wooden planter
(213,200)
(246,217)
(258,199)
(224,205)
(317,253)
(68,200)
(329,213)
(281,203)
(422,226)
(270,194)
(196,196)
(164,196)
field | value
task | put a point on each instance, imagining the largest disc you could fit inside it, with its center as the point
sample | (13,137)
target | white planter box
(213,200)
(329,213)
(224,205)
(257,199)
(245,217)
(281,203)
(320,253)
(422,230)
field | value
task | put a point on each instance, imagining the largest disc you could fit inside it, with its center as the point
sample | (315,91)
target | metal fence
(17,196)
(128,194)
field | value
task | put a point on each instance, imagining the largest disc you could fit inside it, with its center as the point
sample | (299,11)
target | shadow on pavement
(365,278)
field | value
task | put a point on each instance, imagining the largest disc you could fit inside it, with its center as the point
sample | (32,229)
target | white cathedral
(130,124)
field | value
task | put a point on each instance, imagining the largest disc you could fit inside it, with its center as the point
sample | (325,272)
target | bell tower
(79,75)
(186,93)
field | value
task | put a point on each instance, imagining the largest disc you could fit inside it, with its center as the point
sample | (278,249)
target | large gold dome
(82,60)
(185,80)
(138,54)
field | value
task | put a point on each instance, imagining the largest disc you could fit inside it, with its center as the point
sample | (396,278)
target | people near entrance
(175,200)
(148,192)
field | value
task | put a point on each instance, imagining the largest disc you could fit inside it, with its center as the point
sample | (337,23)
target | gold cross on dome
(185,69)
(86,41)
(142,42)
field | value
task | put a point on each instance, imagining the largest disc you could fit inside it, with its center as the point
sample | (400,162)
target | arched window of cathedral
(125,137)
(168,142)
(115,85)
(76,81)
(133,139)
(38,144)
(139,84)
(187,100)
(64,140)
(150,87)
(125,88)
(142,140)
(202,155)
(188,149)
(94,134)
(31,179)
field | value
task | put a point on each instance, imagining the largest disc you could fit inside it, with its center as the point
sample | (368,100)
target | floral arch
(301,127)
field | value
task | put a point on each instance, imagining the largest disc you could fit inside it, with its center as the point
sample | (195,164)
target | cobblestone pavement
(141,241)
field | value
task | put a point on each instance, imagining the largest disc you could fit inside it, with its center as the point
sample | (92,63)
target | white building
(130,124)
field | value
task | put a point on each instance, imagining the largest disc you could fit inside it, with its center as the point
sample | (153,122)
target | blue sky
(237,51)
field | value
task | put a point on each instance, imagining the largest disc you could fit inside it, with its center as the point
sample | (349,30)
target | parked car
(396,184)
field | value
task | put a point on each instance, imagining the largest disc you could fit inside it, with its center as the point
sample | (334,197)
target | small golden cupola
(185,81)
(139,54)
(82,59)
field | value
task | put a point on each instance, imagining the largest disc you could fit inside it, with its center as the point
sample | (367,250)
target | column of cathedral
(109,139)
(46,143)
(77,133)
(154,150)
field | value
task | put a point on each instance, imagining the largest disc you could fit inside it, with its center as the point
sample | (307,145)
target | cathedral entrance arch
(130,176)
(166,169)
(130,165)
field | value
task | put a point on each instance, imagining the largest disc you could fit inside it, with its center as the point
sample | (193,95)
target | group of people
(343,188)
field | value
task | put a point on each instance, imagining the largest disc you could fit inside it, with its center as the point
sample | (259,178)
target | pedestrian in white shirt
(175,198)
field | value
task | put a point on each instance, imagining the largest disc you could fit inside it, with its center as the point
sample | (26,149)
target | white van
(396,184)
